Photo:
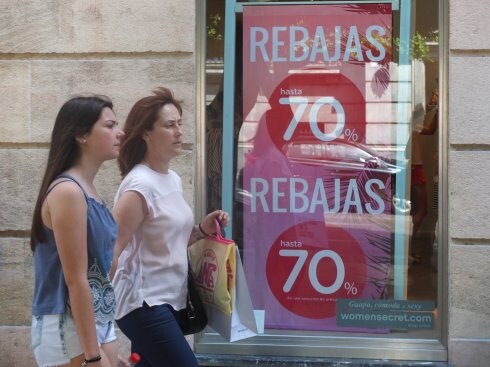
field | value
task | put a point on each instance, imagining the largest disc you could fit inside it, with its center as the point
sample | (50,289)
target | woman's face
(164,141)
(104,139)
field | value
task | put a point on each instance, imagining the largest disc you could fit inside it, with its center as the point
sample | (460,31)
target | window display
(335,162)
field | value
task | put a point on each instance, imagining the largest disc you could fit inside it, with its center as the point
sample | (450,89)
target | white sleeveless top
(153,266)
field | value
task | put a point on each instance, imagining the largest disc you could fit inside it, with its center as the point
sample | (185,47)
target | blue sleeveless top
(50,290)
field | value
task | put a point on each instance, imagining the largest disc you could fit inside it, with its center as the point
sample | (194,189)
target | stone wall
(49,51)
(52,49)
(469,194)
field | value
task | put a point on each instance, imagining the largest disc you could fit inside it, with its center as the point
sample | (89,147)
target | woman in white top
(155,227)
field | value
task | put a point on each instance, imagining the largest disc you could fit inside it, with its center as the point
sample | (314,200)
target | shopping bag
(220,280)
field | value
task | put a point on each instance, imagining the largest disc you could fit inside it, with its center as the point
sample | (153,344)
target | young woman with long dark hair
(72,237)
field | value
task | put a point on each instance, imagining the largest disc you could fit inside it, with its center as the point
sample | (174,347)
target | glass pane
(215,29)
(335,169)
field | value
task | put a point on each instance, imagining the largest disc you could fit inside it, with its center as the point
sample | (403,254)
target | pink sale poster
(317,222)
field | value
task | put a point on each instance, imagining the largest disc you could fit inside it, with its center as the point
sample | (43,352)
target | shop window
(334,184)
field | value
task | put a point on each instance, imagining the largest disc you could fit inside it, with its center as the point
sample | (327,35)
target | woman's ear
(146,136)
(81,139)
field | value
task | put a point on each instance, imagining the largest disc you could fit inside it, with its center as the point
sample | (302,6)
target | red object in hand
(134,358)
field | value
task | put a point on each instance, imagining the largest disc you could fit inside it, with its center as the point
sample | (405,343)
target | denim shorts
(55,340)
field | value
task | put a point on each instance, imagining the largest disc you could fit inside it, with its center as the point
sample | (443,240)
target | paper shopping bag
(243,323)
(212,260)
(217,266)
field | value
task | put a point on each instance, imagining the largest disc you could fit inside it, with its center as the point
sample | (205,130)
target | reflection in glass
(354,174)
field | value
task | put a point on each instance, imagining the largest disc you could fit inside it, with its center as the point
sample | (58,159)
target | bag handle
(218,235)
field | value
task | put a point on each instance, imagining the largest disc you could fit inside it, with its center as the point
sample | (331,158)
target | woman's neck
(84,172)
(156,165)
(85,169)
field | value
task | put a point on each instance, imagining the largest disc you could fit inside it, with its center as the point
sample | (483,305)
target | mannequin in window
(419,195)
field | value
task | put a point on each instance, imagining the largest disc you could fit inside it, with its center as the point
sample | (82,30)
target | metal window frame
(394,346)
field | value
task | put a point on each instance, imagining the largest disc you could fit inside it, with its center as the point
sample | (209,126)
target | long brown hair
(75,119)
(141,118)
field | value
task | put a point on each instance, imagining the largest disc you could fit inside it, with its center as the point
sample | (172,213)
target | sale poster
(317,199)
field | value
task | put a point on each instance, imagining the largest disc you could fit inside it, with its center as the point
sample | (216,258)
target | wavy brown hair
(141,118)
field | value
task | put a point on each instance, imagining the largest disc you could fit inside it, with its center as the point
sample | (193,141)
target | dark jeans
(156,336)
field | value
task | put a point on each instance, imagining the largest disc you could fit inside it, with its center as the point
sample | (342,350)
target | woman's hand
(122,362)
(208,225)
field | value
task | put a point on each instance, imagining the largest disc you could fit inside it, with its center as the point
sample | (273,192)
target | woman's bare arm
(67,216)
(129,212)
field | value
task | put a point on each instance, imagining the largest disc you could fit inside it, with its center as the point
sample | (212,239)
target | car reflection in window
(337,154)
(338,159)
(342,159)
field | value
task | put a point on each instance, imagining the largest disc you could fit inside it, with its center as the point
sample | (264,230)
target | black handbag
(193,317)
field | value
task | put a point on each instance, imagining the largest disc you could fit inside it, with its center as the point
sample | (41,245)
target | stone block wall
(469,194)
(53,49)
(49,51)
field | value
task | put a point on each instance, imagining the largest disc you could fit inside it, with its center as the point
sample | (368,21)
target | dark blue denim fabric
(156,336)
